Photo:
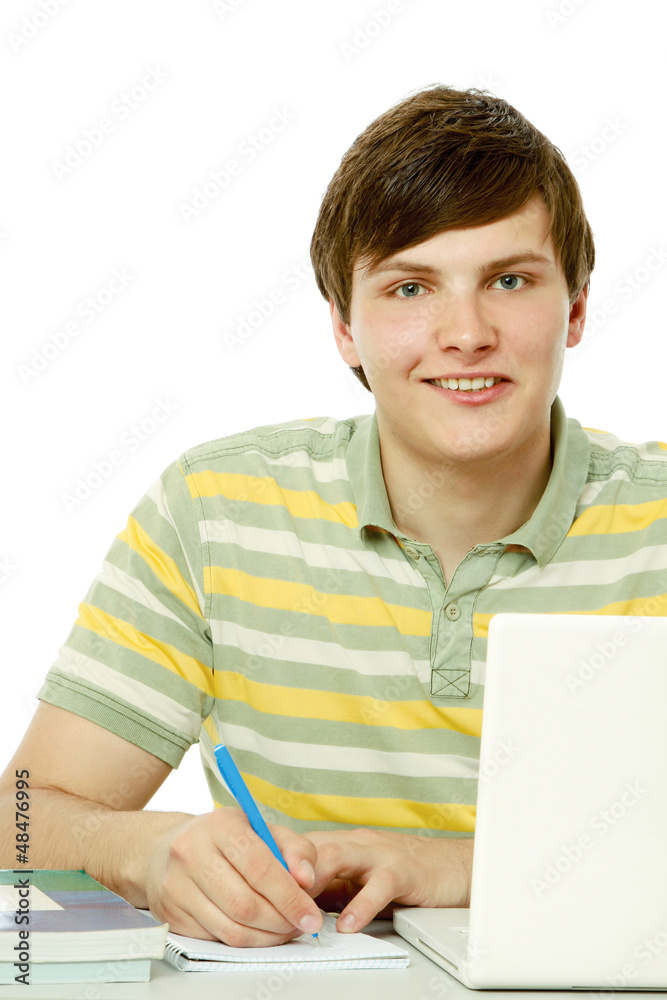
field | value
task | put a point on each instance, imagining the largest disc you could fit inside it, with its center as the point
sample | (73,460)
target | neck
(454,507)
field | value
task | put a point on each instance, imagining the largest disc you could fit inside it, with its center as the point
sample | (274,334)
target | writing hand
(214,878)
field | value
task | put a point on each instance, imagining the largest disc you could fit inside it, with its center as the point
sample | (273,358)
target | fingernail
(310,924)
(307,871)
(346,923)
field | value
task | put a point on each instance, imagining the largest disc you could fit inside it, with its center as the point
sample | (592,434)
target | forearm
(74,833)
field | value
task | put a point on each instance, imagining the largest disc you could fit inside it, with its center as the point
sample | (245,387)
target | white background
(219,71)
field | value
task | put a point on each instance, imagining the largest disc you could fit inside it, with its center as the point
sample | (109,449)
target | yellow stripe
(332,706)
(480,625)
(640,606)
(265,490)
(611,519)
(124,634)
(344,609)
(362,811)
(208,725)
(160,563)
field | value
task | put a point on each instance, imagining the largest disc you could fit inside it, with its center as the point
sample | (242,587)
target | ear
(344,342)
(577,319)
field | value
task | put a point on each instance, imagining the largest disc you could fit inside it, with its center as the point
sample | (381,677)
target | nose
(463,326)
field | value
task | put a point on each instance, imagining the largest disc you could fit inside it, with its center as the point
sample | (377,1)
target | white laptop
(569,886)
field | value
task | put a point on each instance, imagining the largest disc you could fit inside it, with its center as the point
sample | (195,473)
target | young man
(316,594)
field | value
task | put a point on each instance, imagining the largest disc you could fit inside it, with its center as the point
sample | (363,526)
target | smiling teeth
(466,384)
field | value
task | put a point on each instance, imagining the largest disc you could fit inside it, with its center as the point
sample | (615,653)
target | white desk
(422,980)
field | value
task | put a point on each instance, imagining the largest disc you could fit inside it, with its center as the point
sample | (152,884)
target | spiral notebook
(335,951)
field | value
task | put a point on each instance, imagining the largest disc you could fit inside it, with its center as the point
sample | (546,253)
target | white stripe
(609,442)
(477,671)
(585,573)
(316,554)
(158,496)
(651,456)
(329,470)
(337,758)
(370,663)
(128,586)
(322,425)
(366,662)
(591,491)
(144,699)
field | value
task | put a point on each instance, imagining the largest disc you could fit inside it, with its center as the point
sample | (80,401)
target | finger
(266,875)
(345,860)
(243,904)
(212,867)
(382,887)
(208,923)
(300,855)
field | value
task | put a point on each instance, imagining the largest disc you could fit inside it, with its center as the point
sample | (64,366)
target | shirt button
(453,612)
(411,551)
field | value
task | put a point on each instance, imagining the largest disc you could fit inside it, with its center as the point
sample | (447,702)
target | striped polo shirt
(262,596)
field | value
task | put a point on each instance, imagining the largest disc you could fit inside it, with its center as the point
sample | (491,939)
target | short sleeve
(138,660)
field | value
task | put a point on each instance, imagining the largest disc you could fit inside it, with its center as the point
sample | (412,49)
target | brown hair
(443,159)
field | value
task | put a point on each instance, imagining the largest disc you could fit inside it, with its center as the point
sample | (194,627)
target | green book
(64,927)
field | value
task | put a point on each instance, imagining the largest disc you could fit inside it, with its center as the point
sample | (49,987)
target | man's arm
(209,876)
(86,786)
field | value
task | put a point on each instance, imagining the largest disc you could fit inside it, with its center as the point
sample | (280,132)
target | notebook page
(339,951)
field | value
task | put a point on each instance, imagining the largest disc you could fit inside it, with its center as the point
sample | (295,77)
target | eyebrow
(396,264)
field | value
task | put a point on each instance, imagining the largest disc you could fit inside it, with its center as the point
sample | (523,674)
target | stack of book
(64,927)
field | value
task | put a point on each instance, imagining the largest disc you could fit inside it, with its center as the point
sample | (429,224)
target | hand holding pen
(239,790)
(212,877)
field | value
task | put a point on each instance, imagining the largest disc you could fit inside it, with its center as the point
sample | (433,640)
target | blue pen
(239,790)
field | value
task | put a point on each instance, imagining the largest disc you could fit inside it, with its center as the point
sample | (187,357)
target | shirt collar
(364,467)
(542,534)
(551,520)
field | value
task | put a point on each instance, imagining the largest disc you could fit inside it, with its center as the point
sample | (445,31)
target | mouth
(467,384)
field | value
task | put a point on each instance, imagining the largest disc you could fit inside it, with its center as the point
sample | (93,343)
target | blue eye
(411,285)
(512,277)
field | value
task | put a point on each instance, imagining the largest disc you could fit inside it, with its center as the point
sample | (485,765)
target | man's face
(464,306)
